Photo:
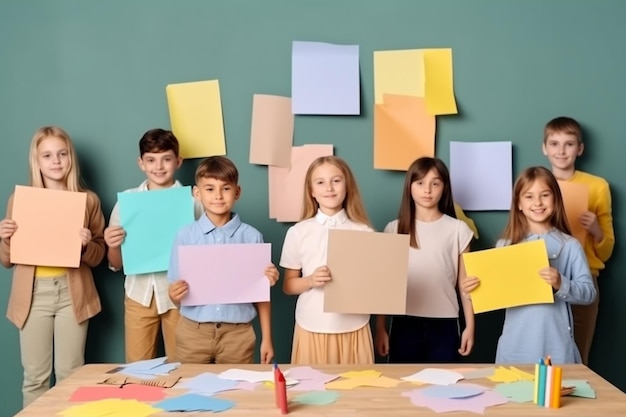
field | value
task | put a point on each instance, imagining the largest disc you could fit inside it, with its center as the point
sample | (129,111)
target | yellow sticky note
(509,276)
(438,81)
(398,72)
(361,374)
(196,118)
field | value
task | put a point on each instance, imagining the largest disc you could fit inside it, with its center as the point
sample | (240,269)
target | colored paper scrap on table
(460,390)
(208,384)
(194,402)
(249,376)
(271,136)
(576,202)
(502,374)
(517,391)
(285,183)
(39,241)
(475,373)
(481,174)
(354,257)
(365,381)
(581,388)
(147,248)
(316,398)
(196,118)
(439,81)
(435,376)
(476,404)
(110,408)
(403,132)
(509,276)
(126,392)
(217,275)
(325,78)
(370,373)
(398,72)
(525,376)
(309,379)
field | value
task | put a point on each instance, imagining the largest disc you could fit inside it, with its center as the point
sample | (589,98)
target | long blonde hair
(517,225)
(72,179)
(355,209)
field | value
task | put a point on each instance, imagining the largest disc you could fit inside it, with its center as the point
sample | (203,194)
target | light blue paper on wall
(325,79)
(151,220)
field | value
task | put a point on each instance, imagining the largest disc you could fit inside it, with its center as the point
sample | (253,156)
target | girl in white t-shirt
(331,200)
(429,332)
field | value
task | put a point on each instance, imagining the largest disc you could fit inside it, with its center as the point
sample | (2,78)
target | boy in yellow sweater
(562,143)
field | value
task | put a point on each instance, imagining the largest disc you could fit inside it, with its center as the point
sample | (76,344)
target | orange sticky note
(403,132)
(48,225)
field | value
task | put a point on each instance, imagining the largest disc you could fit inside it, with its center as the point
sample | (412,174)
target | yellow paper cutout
(460,214)
(509,276)
(398,72)
(110,407)
(361,374)
(196,118)
(364,381)
(525,376)
(438,81)
(501,374)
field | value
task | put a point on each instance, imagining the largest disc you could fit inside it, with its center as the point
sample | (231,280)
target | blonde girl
(532,332)
(51,306)
(331,200)
(429,332)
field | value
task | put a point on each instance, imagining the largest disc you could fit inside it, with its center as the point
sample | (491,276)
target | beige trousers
(51,327)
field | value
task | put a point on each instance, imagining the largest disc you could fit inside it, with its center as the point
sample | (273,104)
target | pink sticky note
(225,274)
(125,392)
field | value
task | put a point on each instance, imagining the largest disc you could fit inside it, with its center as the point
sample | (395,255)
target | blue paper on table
(325,79)
(151,220)
(149,368)
(208,384)
(194,402)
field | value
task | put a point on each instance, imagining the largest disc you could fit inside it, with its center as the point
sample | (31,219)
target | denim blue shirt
(204,232)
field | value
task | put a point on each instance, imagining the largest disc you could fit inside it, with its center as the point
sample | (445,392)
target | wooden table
(378,402)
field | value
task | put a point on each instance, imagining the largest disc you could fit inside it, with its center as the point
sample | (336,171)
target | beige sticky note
(362,283)
(509,276)
(403,132)
(576,202)
(398,72)
(271,136)
(196,117)
(48,226)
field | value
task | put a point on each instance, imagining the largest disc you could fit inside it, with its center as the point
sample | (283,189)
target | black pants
(423,340)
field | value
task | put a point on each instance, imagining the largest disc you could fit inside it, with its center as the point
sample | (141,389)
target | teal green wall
(99,70)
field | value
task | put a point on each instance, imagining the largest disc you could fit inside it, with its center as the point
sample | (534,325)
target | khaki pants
(222,343)
(585,324)
(51,324)
(141,330)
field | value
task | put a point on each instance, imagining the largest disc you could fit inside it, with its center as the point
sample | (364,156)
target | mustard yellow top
(49,271)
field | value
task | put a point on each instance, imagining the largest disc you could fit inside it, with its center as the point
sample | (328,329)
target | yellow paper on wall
(398,72)
(439,85)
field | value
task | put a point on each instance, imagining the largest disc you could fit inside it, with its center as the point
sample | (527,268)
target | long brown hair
(517,225)
(353,204)
(72,179)
(418,170)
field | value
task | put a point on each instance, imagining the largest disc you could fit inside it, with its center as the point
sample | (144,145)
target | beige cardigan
(82,289)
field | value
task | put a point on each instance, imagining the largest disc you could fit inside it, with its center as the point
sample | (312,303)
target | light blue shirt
(204,232)
(532,332)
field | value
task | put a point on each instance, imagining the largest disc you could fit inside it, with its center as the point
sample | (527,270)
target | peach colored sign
(403,132)
(48,225)
(286,185)
(271,135)
(576,202)
(361,283)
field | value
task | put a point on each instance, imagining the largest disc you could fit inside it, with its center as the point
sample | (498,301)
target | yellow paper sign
(509,276)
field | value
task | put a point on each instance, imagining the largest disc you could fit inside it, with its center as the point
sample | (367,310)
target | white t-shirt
(306,248)
(434,266)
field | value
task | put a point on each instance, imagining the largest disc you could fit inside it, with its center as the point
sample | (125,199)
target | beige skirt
(333,349)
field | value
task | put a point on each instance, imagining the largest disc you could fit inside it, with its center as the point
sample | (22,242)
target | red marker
(281,392)
(276,371)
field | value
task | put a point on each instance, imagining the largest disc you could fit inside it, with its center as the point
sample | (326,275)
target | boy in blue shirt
(218,333)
